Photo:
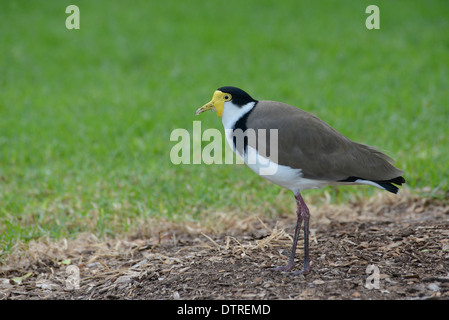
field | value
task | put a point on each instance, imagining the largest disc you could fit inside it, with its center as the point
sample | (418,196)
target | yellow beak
(216,103)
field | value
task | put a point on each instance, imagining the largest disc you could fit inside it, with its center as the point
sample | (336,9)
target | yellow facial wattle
(217,103)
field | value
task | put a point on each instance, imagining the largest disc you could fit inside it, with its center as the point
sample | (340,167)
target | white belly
(283,176)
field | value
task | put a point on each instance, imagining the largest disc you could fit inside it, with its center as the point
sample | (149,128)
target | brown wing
(308,143)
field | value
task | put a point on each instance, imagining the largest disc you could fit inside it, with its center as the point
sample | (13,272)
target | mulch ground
(386,248)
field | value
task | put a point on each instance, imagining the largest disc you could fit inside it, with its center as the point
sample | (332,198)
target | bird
(303,152)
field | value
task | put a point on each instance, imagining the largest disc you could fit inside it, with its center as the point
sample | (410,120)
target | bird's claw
(288,267)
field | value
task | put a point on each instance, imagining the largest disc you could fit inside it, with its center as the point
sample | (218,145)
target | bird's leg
(304,216)
(300,218)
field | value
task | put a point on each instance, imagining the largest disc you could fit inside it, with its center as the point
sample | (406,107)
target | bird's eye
(227,97)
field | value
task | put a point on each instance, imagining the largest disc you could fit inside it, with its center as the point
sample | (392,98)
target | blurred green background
(86,115)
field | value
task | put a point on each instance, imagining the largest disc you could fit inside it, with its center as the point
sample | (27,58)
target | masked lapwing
(297,151)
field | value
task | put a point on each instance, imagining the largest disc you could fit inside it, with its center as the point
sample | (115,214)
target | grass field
(86,115)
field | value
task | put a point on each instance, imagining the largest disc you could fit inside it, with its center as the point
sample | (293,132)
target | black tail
(388,185)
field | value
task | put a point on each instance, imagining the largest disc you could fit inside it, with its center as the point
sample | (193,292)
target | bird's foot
(289,266)
(305,270)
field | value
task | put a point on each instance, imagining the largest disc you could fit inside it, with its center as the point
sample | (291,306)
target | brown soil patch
(405,238)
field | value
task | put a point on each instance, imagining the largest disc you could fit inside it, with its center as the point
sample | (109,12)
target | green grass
(86,115)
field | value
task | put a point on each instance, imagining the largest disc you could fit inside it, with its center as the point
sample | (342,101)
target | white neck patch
(232,113)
